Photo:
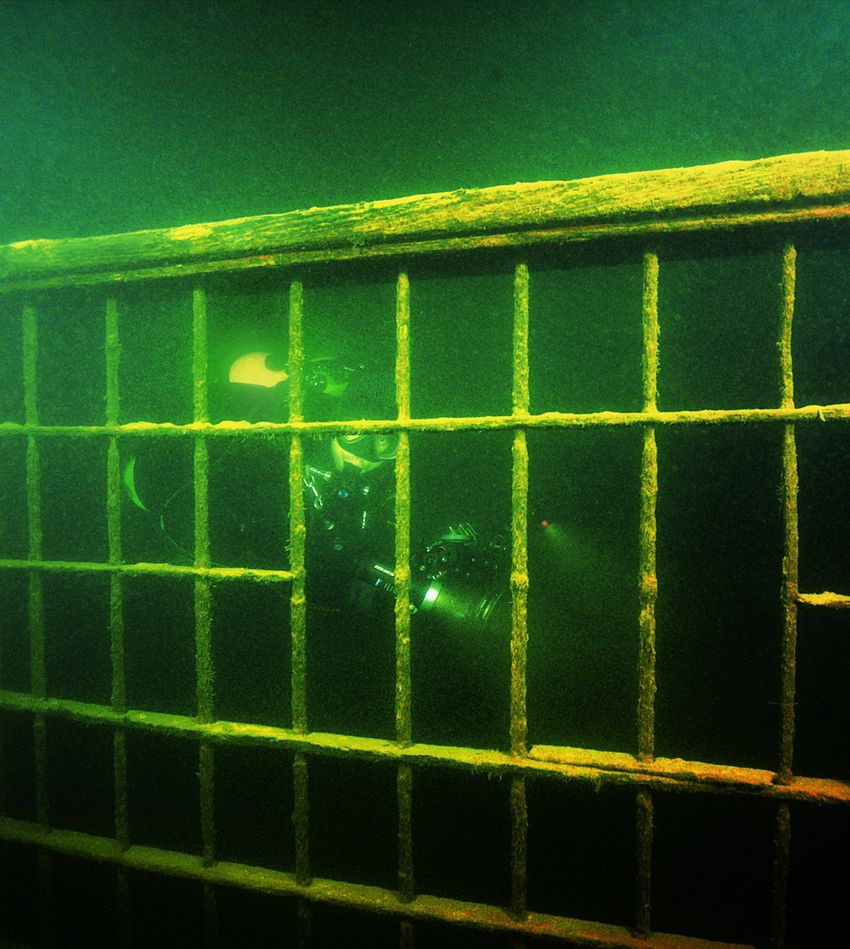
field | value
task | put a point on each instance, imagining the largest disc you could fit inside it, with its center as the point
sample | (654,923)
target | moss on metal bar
(30,343)
(816,182)
(403,720)
(521,240)
(838,601)
(649,320)
(38,672)
(647,577)
(297,523)
(113,356)
(203,599)
(301,820)
(519,518)
(837,412)
(204,670)
(42,797)
(204,673)
(255,574)
(791,540)
(113,506)
(351,895)
(520,385)
(206,782)
(519,847)
(199,354)
(116,593)
(122,811)
(788,284)
(645,829)
(404,792)
(647,595)
(570,764)
(297,599)
(403,723)
(38,666)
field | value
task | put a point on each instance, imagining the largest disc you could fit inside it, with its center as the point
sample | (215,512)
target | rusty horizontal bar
(521,240)
(257,574)
(799,187)
(839,601)
(837,412)
(352,895)
(571,764)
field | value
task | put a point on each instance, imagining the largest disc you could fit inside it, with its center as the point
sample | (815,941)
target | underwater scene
(719,562)
(214,728)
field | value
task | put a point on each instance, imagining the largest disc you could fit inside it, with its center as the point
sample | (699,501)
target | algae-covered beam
(358,896)
(582,765)
(812,180)
(838,412)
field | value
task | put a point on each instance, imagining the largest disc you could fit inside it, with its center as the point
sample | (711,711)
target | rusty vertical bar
(790,581)
(301,820)
(38,672)
(790,558)
(297,526)
(38,669)
(404,791)
(648,530)
(116,615)
(648,592)
(113,507)
(204,673)
(402,514)
(203,611)
(519,526)
(781,865)
(519,847)
(521,400)
(298,607)
(645,822)
(404,777)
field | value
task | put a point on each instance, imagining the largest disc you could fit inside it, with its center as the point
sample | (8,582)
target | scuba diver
(457,579)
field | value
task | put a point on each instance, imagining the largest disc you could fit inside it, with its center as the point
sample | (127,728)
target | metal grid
(643,772)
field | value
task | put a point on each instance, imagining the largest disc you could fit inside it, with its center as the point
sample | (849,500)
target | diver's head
(325,376)
(364,452)
(257,369)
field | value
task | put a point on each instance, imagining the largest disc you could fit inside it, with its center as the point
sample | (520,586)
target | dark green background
(124,115)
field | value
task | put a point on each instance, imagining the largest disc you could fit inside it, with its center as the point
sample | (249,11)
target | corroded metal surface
(584,765)
(837,412)
(805,186)
(352,895)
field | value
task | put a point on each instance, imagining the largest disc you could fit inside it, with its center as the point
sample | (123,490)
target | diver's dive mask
(364,451)
(325,376)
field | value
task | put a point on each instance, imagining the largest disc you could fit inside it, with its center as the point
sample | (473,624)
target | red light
(544,524)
